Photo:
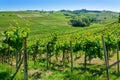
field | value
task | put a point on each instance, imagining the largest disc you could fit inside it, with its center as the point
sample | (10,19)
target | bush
(80,22)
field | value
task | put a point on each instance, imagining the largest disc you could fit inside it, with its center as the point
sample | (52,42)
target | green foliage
(65,46)
(14,37)
(3,48)
(6,72)
(52,43)
(55,76)
(77,47)
(118,42)
(110,42)
(80,22)
(92,48)
(119,18)
(57,49)
(76,76)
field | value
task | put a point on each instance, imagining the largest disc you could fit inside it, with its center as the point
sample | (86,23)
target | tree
(119,18)
(80,22)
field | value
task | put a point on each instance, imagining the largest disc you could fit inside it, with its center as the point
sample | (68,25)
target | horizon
(54,10)
(54,5)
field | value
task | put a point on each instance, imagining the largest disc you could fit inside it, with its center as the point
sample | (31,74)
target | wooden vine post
(35,53)
(71,56)
(106,57)
(16,56)
(25,60)
(8,54)
(47,57)
(118,58)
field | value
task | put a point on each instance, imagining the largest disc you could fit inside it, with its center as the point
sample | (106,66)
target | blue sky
(113,5)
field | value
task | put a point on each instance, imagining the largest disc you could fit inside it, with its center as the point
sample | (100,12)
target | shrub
(80,22)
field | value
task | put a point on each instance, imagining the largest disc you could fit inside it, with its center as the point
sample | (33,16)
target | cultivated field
(55,49)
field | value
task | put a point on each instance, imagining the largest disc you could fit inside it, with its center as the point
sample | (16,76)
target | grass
(38,72)
(6,72)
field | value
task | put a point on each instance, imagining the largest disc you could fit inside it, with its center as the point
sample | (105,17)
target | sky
(16,5)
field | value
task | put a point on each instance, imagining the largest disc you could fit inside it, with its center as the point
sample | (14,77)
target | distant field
(42,24)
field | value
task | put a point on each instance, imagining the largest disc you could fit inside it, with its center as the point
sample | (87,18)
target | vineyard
(62,52)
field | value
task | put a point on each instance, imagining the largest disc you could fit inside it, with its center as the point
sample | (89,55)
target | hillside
(43,23)
(54,49)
